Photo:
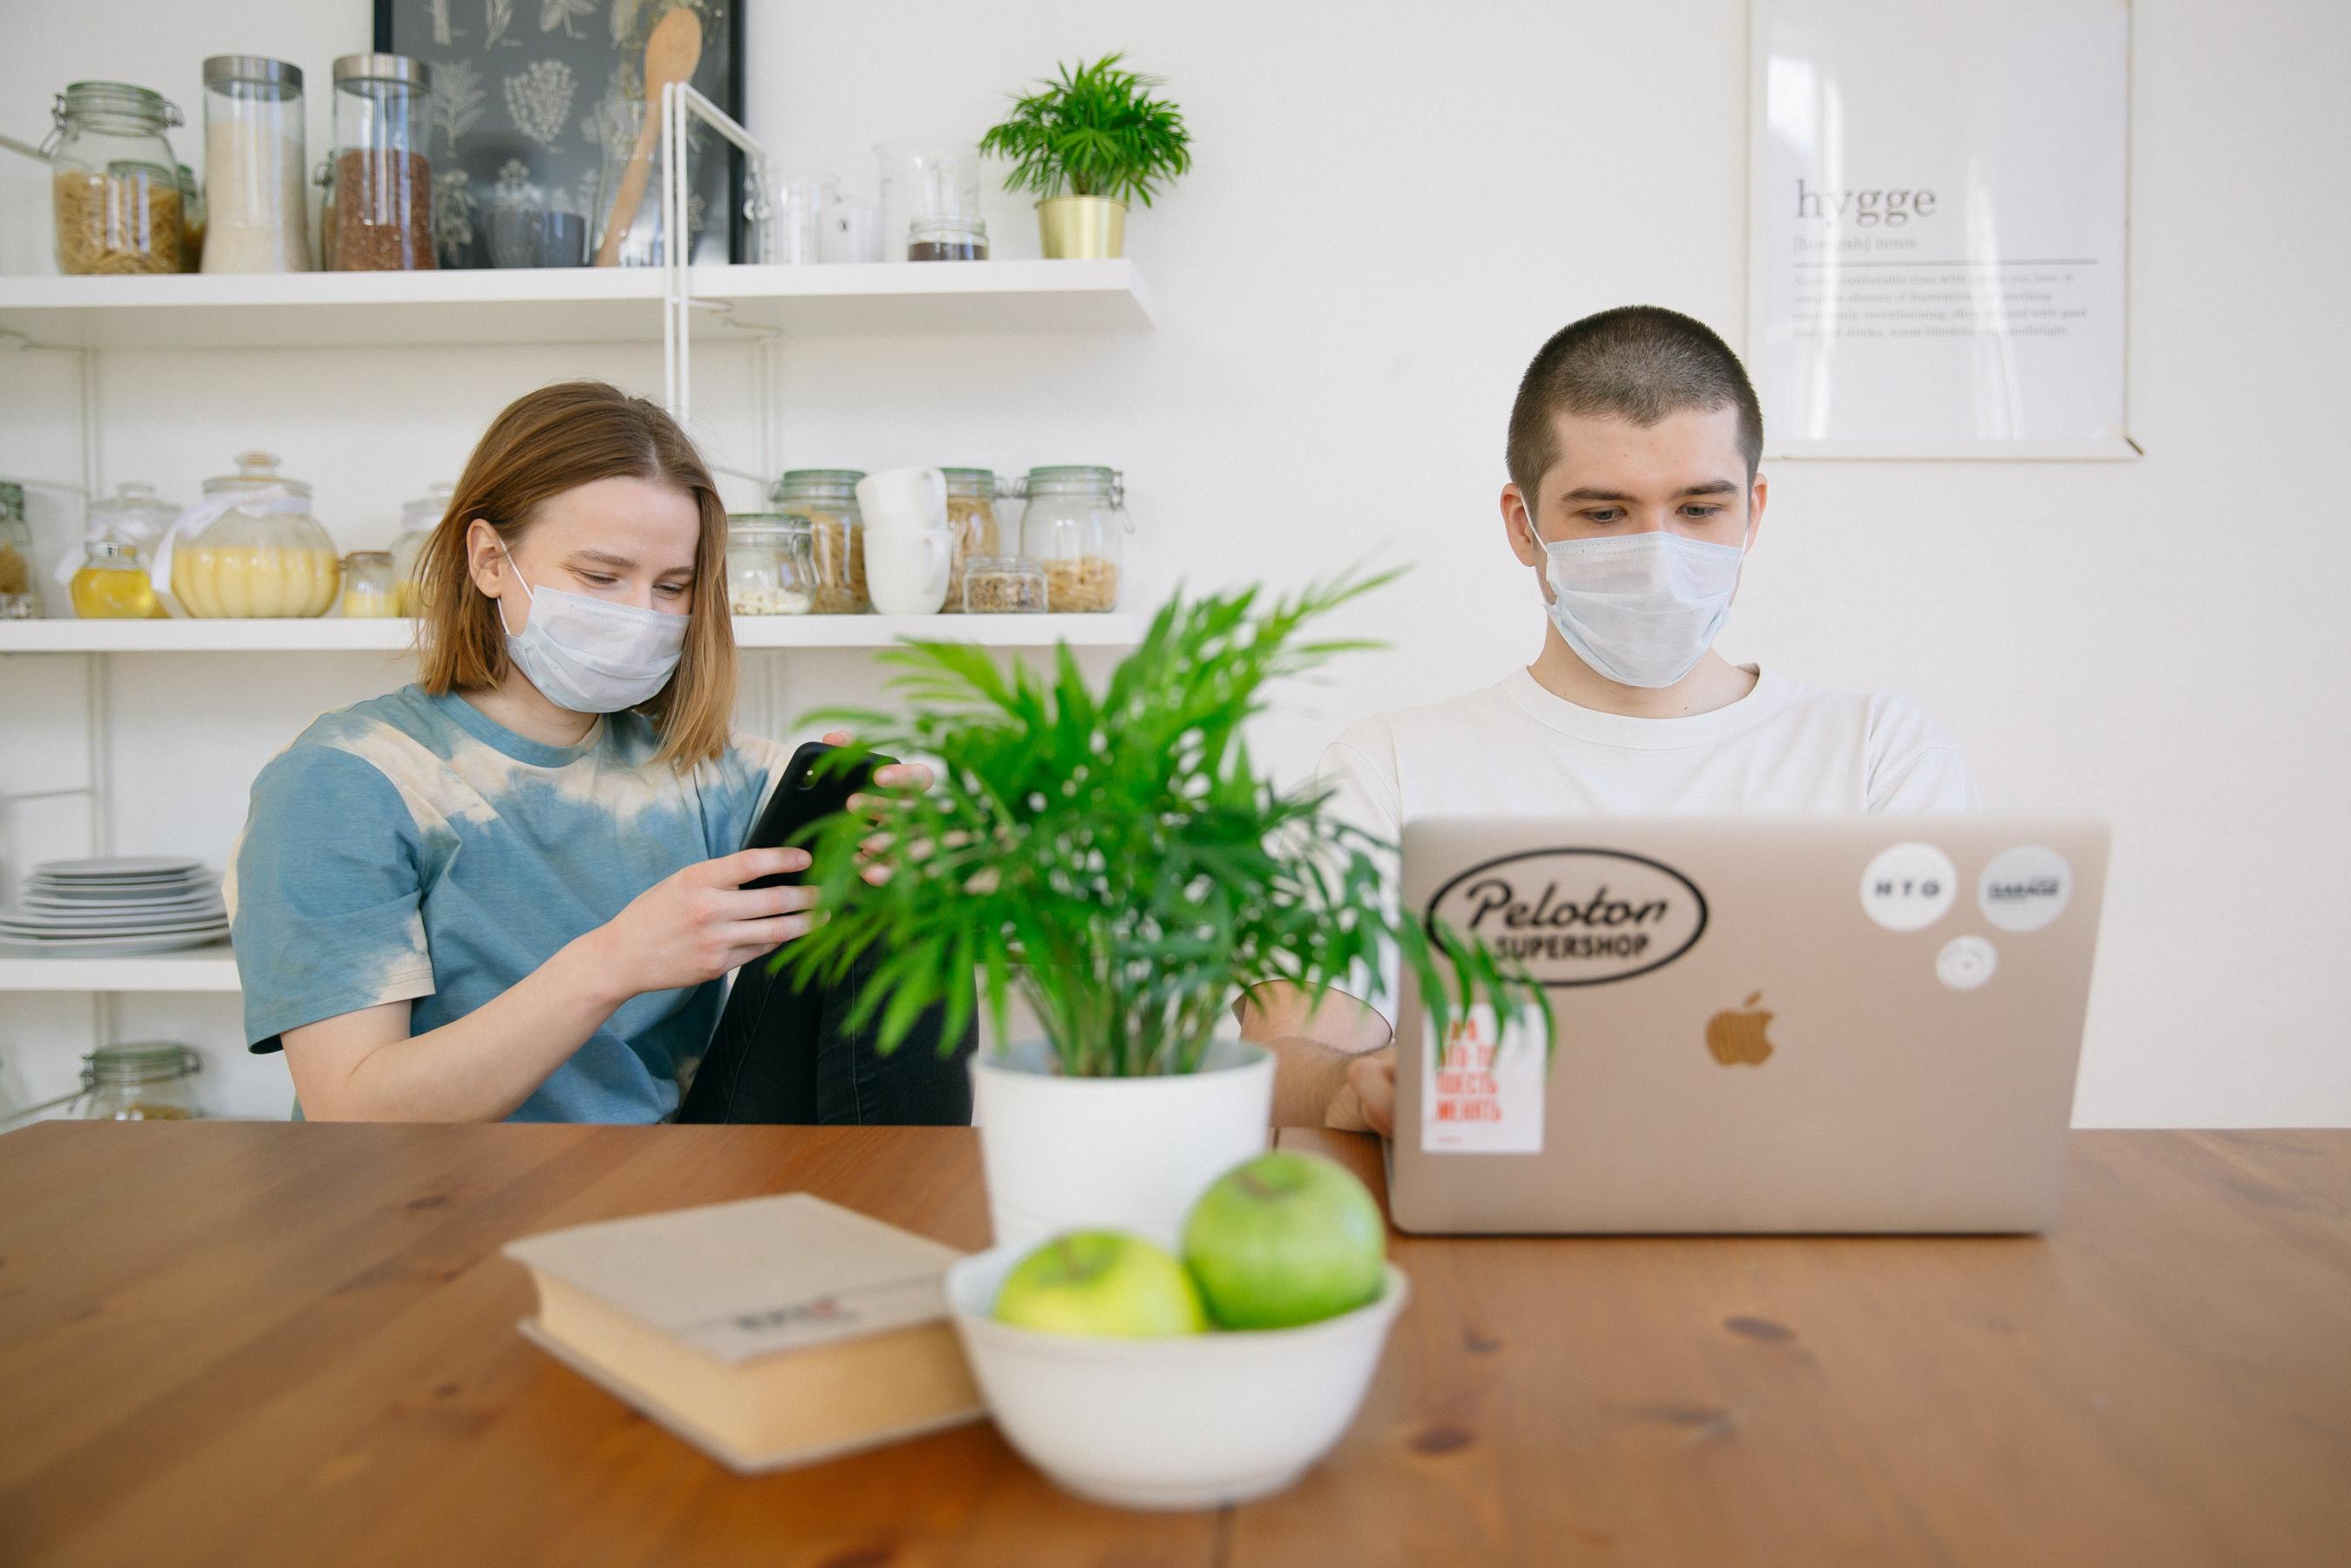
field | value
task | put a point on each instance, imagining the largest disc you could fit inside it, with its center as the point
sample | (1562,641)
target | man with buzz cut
(1634,497)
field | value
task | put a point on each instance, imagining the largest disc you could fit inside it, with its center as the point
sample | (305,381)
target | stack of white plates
(124,903)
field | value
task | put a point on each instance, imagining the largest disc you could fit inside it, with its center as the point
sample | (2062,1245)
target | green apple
(1100,1282)
(1285,1239)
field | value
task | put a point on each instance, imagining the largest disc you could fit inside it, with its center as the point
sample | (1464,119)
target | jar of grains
(113,180)
(770,564)
(257,201)
(1003,585)
(1074,525)
(382,181)
(971,525)
(827,498)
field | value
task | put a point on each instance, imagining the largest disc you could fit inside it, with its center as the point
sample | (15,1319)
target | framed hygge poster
(1936,261)
(539,101)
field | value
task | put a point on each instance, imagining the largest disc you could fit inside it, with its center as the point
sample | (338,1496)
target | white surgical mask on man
(1640,609)
(589,654)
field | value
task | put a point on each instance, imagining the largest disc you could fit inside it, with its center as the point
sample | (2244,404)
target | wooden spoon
(671,54)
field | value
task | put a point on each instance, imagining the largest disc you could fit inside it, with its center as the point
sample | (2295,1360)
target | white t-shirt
(1515,750)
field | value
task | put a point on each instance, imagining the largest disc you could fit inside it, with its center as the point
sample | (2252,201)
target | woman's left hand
(910,777)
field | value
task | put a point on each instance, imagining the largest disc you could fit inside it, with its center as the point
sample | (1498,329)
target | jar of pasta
(971,526)
(1075,525)
(418,518)
(827,498)
(114,181)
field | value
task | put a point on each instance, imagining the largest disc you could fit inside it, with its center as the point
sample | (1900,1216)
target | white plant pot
(1127,1154)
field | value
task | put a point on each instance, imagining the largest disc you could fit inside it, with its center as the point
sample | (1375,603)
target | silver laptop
(1764,1024)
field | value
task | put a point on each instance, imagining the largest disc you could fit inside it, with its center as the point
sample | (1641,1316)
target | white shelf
(395,635)
(567,305)
(210,968)
(901,297)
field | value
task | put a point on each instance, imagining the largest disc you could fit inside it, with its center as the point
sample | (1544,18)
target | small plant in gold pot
(1087,143)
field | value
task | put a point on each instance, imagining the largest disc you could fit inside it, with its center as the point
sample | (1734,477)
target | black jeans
(786,1055)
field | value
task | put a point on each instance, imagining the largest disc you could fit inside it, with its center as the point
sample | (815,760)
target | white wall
(1393,205)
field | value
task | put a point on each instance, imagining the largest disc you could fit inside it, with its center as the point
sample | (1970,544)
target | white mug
(906,570)
(901,500)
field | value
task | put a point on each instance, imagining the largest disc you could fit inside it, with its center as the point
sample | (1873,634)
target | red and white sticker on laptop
(1481,1091)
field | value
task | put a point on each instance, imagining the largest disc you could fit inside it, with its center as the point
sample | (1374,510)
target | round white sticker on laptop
(2025,888)
(1965,962)
(1910,887)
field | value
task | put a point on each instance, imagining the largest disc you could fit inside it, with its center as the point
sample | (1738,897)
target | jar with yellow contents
(111,585)
(258,552)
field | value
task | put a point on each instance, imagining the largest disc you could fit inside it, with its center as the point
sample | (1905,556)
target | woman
(509,890)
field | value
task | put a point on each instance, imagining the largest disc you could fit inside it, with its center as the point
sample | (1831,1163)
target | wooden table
(295,1344)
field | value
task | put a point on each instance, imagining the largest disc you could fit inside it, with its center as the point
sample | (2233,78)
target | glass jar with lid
(112,585)
(143,1081)
(251,548)
(133,516)
(370,592)
(971,526)
(382,180)
(1003,585)
(114,181)
(256,198)
(418,518)
(827,498)
(770,564)
(1074,525)
(20,599)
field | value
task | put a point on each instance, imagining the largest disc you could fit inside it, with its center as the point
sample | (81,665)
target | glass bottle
(112,585)
(257,206)
(947,239)
(382,180)
(114,181)
(1074,525)
(827,498)
(20,598)
(770,564)
(192,221)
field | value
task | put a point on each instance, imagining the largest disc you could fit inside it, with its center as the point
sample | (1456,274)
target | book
(770,1332)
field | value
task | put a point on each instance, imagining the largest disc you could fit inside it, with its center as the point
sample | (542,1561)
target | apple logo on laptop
(1736,1036)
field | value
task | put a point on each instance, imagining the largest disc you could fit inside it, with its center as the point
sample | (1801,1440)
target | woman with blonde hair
(510,889)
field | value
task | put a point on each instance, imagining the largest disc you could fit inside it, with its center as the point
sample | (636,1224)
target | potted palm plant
(1086,142)
(1115,857)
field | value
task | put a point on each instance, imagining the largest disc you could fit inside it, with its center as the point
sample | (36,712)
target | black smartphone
(805,796)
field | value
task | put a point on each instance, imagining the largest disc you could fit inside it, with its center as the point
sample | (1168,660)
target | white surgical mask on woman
(589,654)
(1640,609)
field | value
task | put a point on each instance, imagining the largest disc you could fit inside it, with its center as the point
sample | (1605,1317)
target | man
(1633,499)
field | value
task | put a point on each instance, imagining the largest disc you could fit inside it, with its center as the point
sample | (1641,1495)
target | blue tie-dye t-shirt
(409,849)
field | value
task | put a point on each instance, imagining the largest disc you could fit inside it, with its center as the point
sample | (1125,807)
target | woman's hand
(911,778)
(702,922)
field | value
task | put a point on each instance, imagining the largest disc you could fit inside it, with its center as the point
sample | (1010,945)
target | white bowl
(1190,1421)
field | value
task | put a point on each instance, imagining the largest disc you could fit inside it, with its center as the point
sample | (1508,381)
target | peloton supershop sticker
(1910,887)
(2025,888)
